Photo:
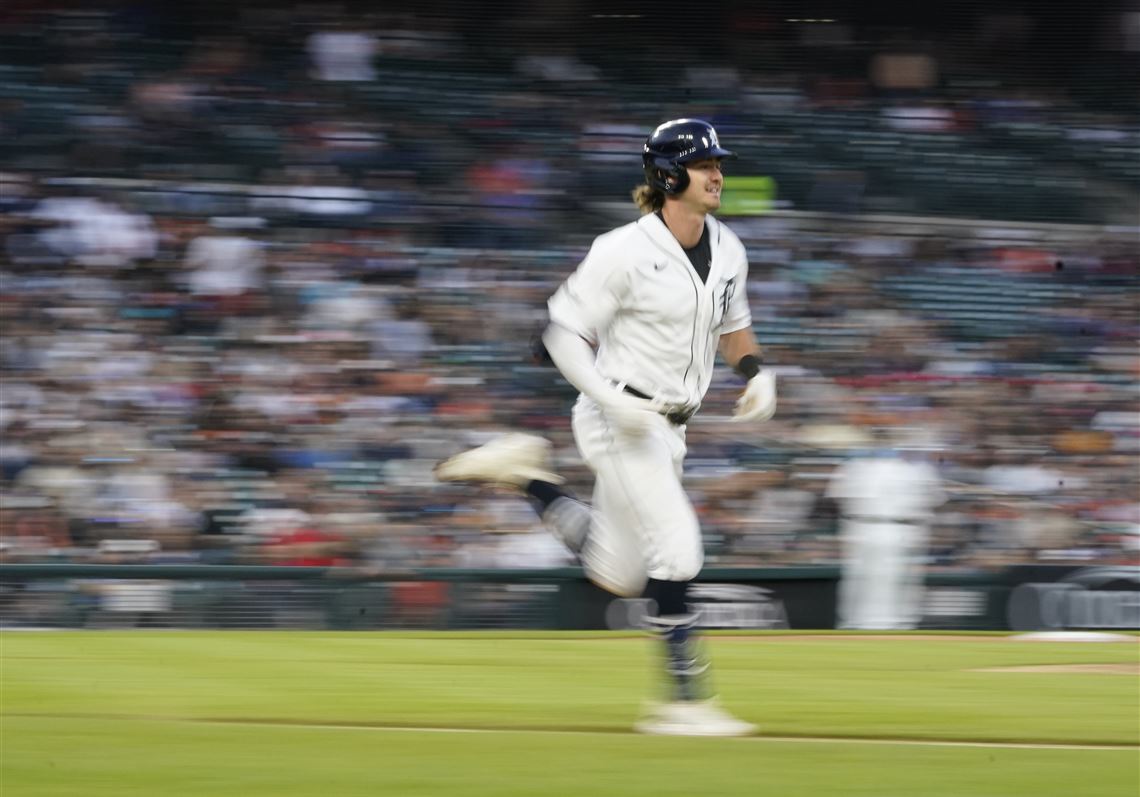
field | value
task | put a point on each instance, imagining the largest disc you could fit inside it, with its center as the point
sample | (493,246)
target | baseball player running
(636,329)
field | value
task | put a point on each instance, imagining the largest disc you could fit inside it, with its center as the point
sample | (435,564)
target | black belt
(675,416)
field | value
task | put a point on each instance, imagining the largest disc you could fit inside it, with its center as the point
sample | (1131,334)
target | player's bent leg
(620,583)
(613,559)
(643,523)
(567,518)
(678,554)
(513,459)
(520,460)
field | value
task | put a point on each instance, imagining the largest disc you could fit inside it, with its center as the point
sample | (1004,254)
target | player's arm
(582,307)
(574,357)
(741,350)
(735,346)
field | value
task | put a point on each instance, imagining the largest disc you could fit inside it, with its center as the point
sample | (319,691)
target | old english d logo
(726,296)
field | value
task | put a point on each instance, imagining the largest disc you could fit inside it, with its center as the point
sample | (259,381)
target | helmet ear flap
(676,179)
(667,176)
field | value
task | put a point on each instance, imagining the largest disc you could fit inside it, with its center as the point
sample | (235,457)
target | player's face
(705,184)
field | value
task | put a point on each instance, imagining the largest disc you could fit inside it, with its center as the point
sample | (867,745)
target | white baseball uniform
(656,326)
(887,504)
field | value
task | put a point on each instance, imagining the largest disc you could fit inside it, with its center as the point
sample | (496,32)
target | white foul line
(780,739)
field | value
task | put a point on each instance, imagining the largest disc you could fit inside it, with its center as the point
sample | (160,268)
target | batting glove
(758,402)
(630,414)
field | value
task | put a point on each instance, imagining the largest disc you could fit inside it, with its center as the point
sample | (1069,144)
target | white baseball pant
(642,524)
(882,578)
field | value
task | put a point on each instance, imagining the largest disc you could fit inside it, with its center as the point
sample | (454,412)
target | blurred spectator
(94,232)
(319,245)
(343,54)
(225,262)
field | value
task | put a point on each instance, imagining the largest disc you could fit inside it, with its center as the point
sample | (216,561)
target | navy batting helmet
(674,144)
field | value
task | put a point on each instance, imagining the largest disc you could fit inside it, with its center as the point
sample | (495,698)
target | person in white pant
(887,500)
(636,329)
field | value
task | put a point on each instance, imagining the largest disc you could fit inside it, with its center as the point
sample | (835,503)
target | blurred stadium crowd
(261,273)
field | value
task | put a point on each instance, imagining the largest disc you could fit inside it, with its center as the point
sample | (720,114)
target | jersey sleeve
(588,300)
(739,315)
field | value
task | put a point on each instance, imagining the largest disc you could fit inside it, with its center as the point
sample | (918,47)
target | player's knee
(687,568)
(683,564)
(628,583)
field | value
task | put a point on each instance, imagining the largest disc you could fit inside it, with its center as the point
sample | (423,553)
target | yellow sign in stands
(747,196)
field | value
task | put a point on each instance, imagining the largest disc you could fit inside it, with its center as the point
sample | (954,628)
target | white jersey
(637,298)
(887,488)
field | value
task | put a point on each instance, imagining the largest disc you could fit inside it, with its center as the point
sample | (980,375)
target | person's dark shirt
(700,255)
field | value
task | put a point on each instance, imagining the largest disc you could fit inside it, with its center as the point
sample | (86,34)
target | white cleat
(513,459)
(692,718)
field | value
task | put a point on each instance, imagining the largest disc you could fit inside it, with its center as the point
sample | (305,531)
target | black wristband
(748,366)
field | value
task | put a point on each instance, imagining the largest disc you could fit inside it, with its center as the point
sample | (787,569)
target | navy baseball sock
(545,494)
(562,513)
(668,595)
(685,664)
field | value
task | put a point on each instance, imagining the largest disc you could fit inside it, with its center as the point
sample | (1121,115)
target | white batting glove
(758,402)
(630,414)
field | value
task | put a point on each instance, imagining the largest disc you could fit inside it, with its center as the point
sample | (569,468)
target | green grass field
(341,714)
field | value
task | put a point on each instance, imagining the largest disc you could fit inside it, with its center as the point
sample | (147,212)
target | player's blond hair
(648,199)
